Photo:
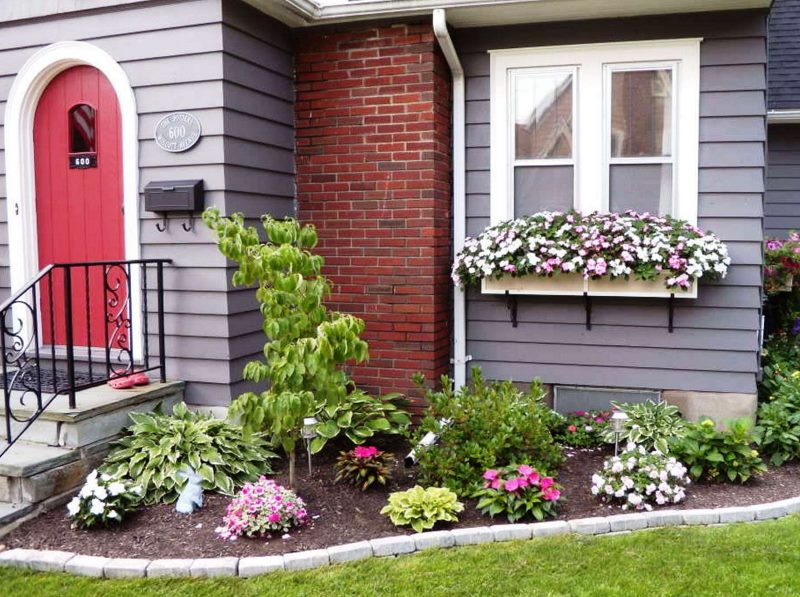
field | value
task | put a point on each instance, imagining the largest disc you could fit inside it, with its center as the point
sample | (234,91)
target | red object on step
(140,379)
(122,383)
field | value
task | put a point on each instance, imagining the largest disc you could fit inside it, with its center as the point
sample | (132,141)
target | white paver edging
(61,561)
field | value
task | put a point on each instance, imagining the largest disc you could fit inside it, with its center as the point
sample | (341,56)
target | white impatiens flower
(100,493)
(74,506)
(113,514)
(116,488)
(98,507)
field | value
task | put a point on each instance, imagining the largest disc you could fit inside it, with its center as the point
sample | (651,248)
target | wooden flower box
(575,285)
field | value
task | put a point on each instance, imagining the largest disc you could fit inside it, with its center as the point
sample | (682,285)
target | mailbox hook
(190,227)
(162,227)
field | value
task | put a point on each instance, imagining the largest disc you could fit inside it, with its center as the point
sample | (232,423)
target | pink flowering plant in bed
(364,466)
(641,246)
(260,509)
(517,492)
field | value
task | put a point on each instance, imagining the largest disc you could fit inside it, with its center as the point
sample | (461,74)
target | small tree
(306,344)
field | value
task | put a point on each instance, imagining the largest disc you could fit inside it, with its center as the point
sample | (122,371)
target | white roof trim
(471,13)
(783,116)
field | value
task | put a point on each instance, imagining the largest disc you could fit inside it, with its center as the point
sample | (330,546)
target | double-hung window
(599,127)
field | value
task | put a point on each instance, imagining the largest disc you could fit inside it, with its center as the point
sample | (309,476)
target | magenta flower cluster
(365,451)
(525,477)
(616,245)
(262,508)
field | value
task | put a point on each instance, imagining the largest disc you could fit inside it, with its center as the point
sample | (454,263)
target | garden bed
(343,514)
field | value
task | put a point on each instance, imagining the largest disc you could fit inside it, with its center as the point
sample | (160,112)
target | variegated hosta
(641,246)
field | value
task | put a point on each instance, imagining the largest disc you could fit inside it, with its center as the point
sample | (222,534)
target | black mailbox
(165,196)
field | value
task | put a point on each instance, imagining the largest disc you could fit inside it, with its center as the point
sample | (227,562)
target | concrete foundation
(718,406)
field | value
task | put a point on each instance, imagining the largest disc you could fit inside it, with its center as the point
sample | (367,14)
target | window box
(576,285)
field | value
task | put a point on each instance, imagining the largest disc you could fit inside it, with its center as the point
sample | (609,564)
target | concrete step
(63,445)
(100,413)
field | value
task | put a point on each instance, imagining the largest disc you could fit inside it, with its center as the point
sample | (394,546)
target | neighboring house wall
(715,343)
(782,205)
(176,57)
(373,173)
(782,202)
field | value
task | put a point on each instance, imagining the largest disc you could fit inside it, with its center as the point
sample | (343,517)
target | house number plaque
(178,132)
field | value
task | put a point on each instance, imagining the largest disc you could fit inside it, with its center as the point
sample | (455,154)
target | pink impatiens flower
(490,475)
(525,470)
(546,483)
(512,484)
(551,494)
(365,451)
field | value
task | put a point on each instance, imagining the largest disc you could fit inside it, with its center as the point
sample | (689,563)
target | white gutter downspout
(460,357)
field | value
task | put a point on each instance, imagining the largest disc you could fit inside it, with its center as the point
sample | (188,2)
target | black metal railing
(76,326)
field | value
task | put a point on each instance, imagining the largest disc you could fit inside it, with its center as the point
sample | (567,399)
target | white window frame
(514,163)
(593,64)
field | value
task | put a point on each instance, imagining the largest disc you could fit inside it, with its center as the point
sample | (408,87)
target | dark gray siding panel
(782,203)
(714,346)
(259,145)
(784,55)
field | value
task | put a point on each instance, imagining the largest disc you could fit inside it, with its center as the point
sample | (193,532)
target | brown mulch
(342,514)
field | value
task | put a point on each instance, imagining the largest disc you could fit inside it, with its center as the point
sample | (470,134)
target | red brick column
(373,173)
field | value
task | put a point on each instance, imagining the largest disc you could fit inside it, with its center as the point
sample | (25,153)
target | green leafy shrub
(157,447)
(482,426)
(517,492)
(422,508)
(307,345)
(650,425)
(780,358)
(716,455)
(103,500)
(583,429)
(360,417)
(364,466)
(777,433)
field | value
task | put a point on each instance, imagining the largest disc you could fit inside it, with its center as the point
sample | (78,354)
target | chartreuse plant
(718,455)
(482,426)
(422,508)
(157,447)
(650,425)
(307,345)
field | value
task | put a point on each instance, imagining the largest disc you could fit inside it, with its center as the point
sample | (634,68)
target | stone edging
(61,561)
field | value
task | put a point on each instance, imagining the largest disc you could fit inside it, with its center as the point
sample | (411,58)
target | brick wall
(373,173)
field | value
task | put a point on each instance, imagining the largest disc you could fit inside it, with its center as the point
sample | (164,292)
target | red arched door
(77,145)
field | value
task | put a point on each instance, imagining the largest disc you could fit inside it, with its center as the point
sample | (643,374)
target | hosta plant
(363,466)
(650,424)
(360,417)
(157,447)
(638,479)
(517,492)
(584,429)
(260,509)
(422,508)
(103,500)
(641,246)
(719,455)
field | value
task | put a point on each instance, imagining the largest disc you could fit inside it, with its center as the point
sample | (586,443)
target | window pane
(542,188)
(81,129)
(543,116)
(641,113)
(641,187)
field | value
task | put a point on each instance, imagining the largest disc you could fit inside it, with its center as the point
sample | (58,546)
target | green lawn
(745,559)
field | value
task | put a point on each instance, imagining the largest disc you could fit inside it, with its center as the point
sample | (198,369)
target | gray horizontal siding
(259,146)
(185,56)
(714,345)
(784,55)
(782,201)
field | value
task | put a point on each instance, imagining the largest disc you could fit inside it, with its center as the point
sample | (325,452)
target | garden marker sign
(178,131)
